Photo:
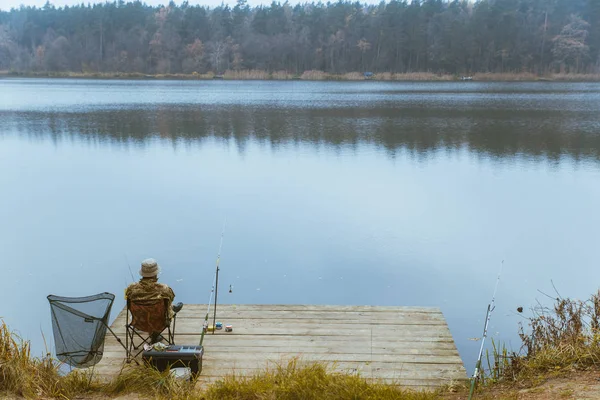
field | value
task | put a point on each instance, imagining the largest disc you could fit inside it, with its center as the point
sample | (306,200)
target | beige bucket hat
(150,268)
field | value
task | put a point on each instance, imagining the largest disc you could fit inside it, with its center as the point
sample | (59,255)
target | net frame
(79,325)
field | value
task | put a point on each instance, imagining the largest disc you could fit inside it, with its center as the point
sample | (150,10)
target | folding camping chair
(79,326)
(148,323)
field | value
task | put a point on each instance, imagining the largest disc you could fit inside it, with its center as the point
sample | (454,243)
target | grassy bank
(31,377)
(22,375)
(560,357)
(563,337)
(313,75)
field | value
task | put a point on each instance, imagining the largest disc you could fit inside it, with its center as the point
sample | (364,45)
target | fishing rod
(217,277)
(131,273)
(488,315)
(213,290)
(205,323)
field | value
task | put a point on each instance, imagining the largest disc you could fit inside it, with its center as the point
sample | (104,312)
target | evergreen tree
(440,36)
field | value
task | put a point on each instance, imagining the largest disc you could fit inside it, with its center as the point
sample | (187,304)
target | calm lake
(334,193)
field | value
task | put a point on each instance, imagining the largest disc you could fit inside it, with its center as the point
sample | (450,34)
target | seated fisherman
(148,287)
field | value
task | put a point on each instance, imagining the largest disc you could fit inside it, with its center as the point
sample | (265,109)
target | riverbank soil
(580,385)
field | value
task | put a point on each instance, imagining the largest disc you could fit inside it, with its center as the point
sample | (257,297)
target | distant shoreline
(311,76)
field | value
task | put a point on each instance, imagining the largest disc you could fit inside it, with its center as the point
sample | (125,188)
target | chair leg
(173,333)
(132,349)
(127,349)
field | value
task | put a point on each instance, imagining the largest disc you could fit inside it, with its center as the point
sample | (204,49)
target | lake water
(334,193)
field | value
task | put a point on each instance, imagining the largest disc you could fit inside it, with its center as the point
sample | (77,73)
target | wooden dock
(410,346)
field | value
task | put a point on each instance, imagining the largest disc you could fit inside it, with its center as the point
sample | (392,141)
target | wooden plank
(217,358)
(193,325)
(415,384)
(115,350)
(383,368)
(233,337)
(313,314)
(317,349)
(316,330)
(410,345)
(391,340)
(333,320)
(321,308)
(409,361)
(275,316)
(305,342)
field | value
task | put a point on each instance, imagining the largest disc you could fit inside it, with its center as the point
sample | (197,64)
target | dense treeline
(456,37)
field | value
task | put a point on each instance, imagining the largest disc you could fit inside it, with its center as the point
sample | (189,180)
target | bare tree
(218,49)
(194,56)
(569,46)
(56,56)
(364,46)
(8,48)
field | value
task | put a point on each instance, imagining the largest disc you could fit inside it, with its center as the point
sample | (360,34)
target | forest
(457,37)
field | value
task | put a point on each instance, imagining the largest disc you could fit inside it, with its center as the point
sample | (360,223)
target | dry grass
(384,76)
(575,77)
(296,380)
(281,75)
(562,338)
(526,76)
(388,76)
(353,76)
(422,76)
(110,75)
(252,74)
(314,75)
(24,376)
(150,383)
(507,76)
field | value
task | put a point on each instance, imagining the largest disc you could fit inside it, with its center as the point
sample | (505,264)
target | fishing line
(130,272)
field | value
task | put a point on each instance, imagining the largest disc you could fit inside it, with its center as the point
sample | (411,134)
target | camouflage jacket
(150,289)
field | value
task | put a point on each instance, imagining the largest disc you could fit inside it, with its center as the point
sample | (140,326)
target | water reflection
(492,133)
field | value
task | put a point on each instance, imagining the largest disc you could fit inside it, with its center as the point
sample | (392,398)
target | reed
(252,74)
(505,77)
(384,76)
(149,382)
(297,380)
(281,75)
(575,77)
(353,76)
(422,76)
(24,376)
(562,338)
(314,75)
(31,377)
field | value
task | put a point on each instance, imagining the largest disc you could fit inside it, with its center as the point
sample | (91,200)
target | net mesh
(79,325)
